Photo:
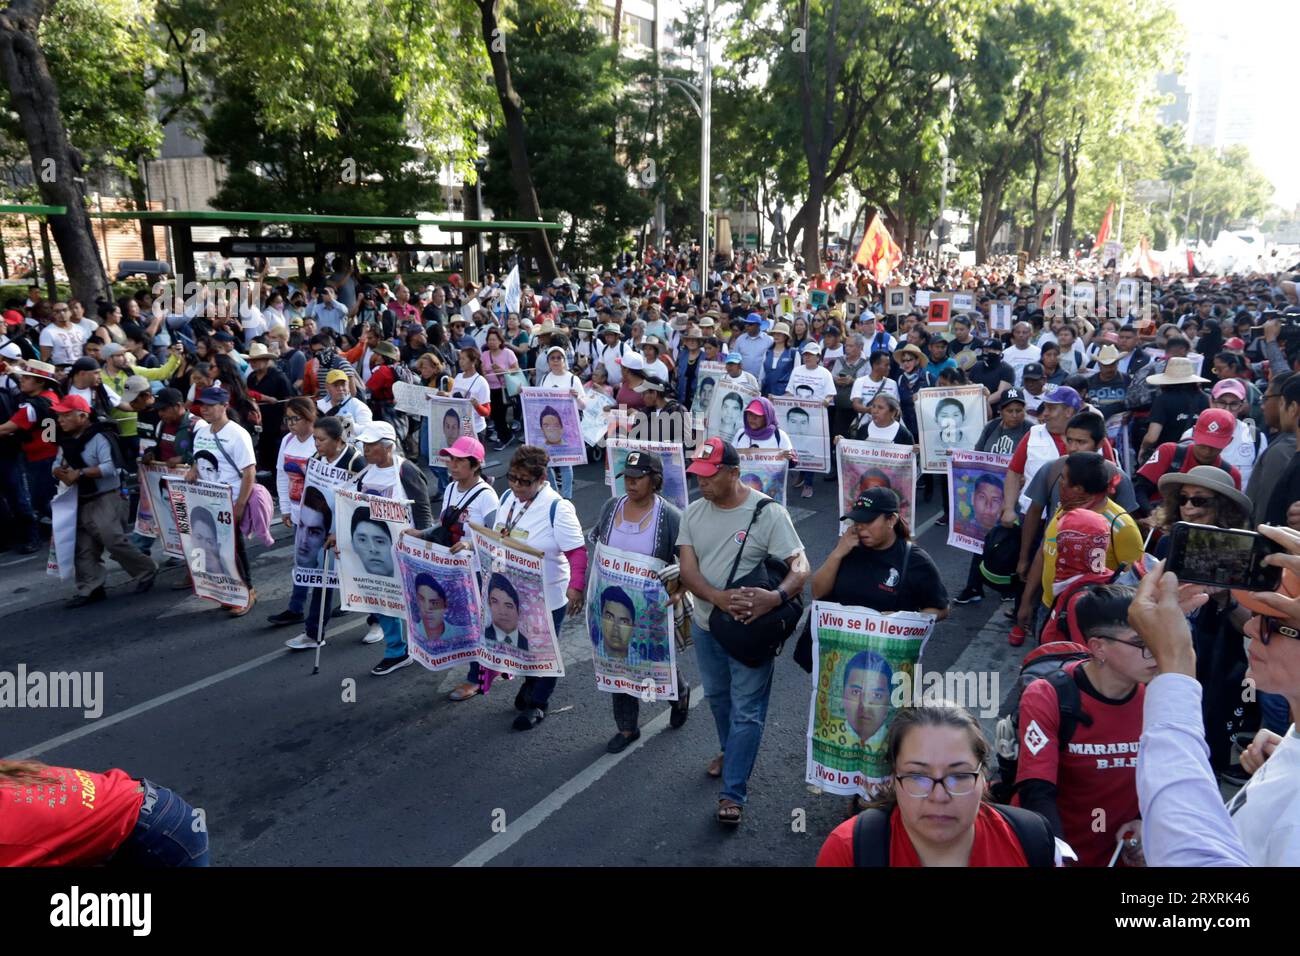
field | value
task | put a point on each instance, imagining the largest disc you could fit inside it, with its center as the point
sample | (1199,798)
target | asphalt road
(289,773)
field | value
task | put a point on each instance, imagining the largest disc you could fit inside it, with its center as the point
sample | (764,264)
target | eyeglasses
(1229,404)
(292,419)
(1268,626)
(1195,502)
(520,479)
(956,784)
(1137,645)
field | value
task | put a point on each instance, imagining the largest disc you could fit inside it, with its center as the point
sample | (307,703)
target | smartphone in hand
(1222,557)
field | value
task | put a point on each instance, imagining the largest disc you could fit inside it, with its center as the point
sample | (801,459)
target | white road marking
(153,703)
(519,828)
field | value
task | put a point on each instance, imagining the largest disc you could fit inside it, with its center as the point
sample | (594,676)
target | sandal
(729,812)
(715,766)
(464,692)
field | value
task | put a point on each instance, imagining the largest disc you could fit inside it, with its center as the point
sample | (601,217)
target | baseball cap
(756,407)
(735,357)
(11,351)
(992,344)
(812,348)
(375,432)
(873,503)
(1013,395)
(214,395)
(168,398)
(641,463)
(651,384)
(464,447)
(633,361)
(1033,370)
(13,317)
(134,387)
(1063,395)
(1232,385)
(111,349)
(70,403)
(85,364)
(712,455)
(1214,428)
(218,336)
(336,375)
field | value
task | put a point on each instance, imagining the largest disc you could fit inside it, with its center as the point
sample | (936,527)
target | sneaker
(285,618)
(146,583)
(807,492)
(1017,636)
(943,521)
(618,743)
(390,664)
(303,643)
(530,719)
(970,596)
(374,635)
(81,600)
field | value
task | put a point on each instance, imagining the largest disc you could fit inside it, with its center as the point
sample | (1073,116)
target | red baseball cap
(70,403)
(13,317)
(1214,428)
(712,455)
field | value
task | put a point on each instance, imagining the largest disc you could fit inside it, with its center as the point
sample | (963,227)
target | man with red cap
(1212,433)
(88,458)
(34,425)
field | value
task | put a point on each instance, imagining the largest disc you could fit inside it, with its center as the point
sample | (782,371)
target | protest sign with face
(367,528)
(805,421)
(873,464)
(442,603)
(551,421)
(765,470)
(630,623)
(670,454)
(975,497)
(448,419)
(205,519)
(949,418)
(518,631)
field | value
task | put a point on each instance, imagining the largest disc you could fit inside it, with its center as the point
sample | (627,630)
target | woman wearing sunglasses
(934,811)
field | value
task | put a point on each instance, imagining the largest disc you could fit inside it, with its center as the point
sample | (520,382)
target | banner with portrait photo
(765,470)
(205,519)
(949,418)
(367,528)
(448,419)
(443,613)
(63,544)
(726,414)
(806,422)
(976,480)
(552,422)
(518,632)
(674,461)
(863,663)
(707,377)
(874,464)
(316,523)
(153,518)
(630,623)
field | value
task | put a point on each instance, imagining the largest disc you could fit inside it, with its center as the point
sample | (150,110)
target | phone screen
(1222,557)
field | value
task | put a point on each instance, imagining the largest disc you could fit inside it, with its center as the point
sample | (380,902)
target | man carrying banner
(728,519)
(87,457)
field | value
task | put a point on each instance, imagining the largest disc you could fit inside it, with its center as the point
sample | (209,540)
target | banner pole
(320,623)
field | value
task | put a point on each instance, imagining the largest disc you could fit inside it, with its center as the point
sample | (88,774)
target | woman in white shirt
(471,384)
(296,448)
(558,376)
(811,381)
(883,422)
(760,429)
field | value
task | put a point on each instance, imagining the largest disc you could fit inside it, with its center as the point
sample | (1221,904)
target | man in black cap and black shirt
(991,372)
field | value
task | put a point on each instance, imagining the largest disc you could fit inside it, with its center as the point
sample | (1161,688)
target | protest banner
(963,301)
(922,298)
(864,666)
(896,300)
(367,527)
(768,293)
(205,519)
(447,419)
(975,497)
(630,623)
(806,422)
(765,470)
(936,316)
(443,612)
(1000,316)
(818,298)
(707,376)
(595,423)
(785,304)
(552,422)
(873,464)
(63,545)
(316,522)
(518,632)
(413,399)
(726,414)
(672,456)
(949,418)
(154,517)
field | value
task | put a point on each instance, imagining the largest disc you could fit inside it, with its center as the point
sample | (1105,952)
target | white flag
(512,290)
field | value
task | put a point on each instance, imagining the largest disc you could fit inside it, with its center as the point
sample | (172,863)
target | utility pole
(706,118)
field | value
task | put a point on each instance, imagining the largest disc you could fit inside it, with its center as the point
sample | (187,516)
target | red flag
(1104,232)
(1192,271)
(878,251)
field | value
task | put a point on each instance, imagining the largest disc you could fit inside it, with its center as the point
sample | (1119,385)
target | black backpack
(871,836)
(1047,661)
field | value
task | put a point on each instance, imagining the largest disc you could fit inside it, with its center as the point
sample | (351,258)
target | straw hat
(38,370)
(781,328)
(1178,371)
(911,349)
(259,351)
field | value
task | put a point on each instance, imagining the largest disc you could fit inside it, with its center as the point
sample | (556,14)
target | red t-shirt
(34,446)
(995,843)
(1160,463)
(74,818)
(1096,772)
(381,383)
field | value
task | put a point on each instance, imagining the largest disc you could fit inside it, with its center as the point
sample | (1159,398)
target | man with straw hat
(1176,405)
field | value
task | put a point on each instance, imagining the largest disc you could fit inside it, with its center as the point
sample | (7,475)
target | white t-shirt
(66,344)
(1266,811)
(1019,358)
(89,395)
(289,484)
(565,381)
(481,510)
(657,369)
(747,377)
(778,439)
(238,445)
(474,387)
(819,379)
(887,434)
(87,325)
(533,528)
(352,408)
(865,389)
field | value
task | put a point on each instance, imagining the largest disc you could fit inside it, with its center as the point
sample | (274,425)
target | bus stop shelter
(298,235)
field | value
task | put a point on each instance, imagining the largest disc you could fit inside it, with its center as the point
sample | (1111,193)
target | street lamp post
(706,120)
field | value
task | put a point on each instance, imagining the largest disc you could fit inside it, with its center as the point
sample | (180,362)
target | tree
(57,165)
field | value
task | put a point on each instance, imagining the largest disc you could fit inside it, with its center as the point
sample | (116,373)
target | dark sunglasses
(1268,626)
(521,479)
(1195,502)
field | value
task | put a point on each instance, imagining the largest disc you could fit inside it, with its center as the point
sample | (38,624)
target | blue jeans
(167,833)
(738,697)
(561,480)
(313,617)
(298,599)
(394,636)
(537,690)
(143,542)
(13,487)
(40,486)
(1274,713)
